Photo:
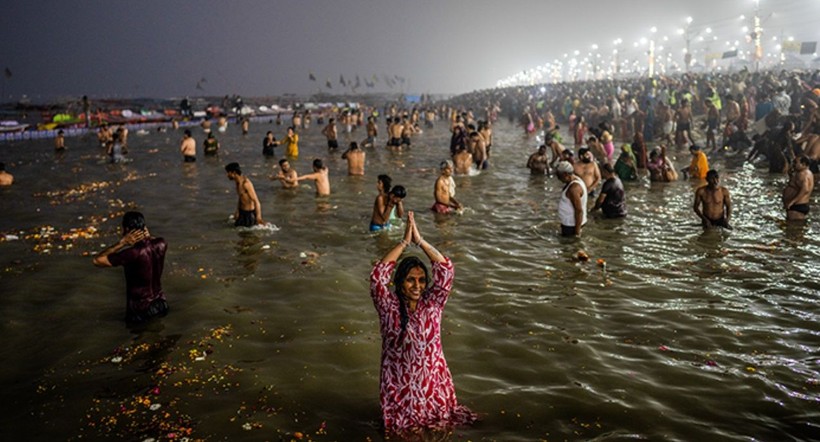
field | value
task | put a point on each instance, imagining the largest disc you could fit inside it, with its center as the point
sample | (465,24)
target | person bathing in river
(445,190)
(388,204)
(143,258)
(416,387)
(712,203)
(248,209)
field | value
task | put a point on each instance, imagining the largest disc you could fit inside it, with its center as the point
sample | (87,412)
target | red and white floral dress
(416,386)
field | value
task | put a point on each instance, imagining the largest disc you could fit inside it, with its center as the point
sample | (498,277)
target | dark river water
(683,335)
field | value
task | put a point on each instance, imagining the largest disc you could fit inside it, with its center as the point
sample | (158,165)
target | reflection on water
(667,332)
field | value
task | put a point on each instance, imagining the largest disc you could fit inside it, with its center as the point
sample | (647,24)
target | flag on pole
(729,54)
(342,80)
(329,84)
(808,47)
(7,73)
(312,77)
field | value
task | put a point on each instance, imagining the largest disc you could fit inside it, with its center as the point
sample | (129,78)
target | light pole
(617,68)
(757,34)
(653,30)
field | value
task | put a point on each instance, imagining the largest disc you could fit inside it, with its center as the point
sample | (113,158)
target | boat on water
(11,126)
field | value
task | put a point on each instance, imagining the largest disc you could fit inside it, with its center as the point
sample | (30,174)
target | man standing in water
(6,179)
(330,132)
(538,161)
(248,209)
(320,178)
(797,193)
(445,190)
(355,159)
(143,258)
(572,206)
(287,175)
(712,203)
(587,169)
(188,147)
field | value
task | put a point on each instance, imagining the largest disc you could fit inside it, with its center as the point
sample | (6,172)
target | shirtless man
(597,148)
(479,150)
(588,170)
(59,142)
(683,119)
(355,159)
(712,203)
(287,175)
(557,150)
(320,178)
(445,190)
(248,210)
(538,162)
(188,147)
(407,131)
(486,132)
(6,179)
(372,133)
(388,201)
(395,129)
(463,160)
(797,193)
(104,136)
(331,134)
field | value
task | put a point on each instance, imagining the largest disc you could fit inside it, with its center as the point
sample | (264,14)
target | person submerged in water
(211,145)
(320,178)
(797,194)
(445,190)
(143,258)
(388,204)
(248,209)
(712,203)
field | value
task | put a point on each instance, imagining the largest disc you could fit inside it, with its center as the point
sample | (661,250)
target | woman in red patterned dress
(417,389)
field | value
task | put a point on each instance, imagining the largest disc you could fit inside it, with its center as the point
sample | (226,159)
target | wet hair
(386,182)
(317,163)
(608,168)
(354,145)
(187,132)
(399,191)
(133,221)
(802,159)
(233,167)
(2,167)
(283,161)
(712,174)
(402,270)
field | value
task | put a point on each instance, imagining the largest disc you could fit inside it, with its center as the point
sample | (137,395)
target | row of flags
(370,83)
(804,48)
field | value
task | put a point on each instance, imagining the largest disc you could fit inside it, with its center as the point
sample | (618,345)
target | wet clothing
(210,146)
(292,146)
(566,211)
(441,208)
(143,264)
(802,208)
(699,165)
(332,144)
(396,142)
(379,227)
(614,205)
(720,222)
(416,387)
(247,218)
(189,158)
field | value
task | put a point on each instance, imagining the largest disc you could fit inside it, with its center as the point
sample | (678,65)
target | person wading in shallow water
(143,258)
(416,388)
(248,209)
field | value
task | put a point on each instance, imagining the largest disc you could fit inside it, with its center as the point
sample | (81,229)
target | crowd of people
(768,115)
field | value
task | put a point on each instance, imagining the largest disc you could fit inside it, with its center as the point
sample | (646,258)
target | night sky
(256,48)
